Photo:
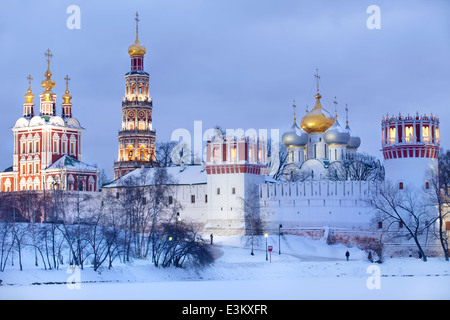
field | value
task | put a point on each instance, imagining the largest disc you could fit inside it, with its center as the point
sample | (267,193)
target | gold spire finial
(49,55)
(335,108)
(136,49)
(48,83)
(294,106)
(67,97)
(137,26)
(346,115)
(67,82)
(29,96)
(316,75)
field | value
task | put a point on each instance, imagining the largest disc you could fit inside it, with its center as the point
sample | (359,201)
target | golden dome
(136,49)
(67,96)
(48,84)
(316,120)
(29,96)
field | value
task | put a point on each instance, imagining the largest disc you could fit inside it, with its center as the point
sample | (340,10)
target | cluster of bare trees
(417,214)
(149,214)
(139,219)
(356,167)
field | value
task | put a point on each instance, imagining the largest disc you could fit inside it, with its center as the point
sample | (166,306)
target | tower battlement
(410,136)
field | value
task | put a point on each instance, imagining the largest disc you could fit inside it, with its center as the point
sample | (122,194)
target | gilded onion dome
(336,134)
(48,83)
(67,96)
(136,49)
(315,120)
(295,137)
(29,96)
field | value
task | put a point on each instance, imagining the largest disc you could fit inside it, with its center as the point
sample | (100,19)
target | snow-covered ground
(306,269)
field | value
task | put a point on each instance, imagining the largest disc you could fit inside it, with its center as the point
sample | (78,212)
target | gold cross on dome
(335,108)
(67,81)
(49,55)
(137,22)
(317,78)
(346,114)
(29,78)
(294,106)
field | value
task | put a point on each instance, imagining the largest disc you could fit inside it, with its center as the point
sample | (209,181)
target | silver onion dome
(354,142)
(336,134)
(295,137)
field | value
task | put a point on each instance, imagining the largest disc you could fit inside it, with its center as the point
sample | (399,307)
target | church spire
(48,83)
(346,115)
(48,97)
(335,108)
(294,107)
(28,106)
(67,104)
(136,51)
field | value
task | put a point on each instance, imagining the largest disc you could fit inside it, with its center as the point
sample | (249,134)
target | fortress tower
(410,147)
(235,167)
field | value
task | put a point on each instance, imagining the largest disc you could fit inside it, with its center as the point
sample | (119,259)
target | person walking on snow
(347,255)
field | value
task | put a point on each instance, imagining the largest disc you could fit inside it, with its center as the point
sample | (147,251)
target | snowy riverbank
(306,269)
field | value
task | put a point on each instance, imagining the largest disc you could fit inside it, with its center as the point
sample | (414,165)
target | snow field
(306,269)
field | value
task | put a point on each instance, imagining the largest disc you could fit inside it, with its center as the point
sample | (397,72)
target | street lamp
(279,238)
(265,236)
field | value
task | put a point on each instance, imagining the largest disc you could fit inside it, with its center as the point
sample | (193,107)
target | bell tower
(136,137)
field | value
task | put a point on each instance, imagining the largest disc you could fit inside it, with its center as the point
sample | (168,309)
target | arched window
(400,185)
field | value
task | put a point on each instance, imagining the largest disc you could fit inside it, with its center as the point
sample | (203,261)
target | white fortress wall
(318,204)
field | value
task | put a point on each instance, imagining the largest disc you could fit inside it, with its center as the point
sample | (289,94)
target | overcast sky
(233,63)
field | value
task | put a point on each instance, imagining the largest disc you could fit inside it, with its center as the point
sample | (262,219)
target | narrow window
(192,198)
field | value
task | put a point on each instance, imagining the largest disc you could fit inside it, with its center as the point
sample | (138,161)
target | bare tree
(438,179)
(403,211)
(277,160)
(182,243)
(6,243)
(356,167)
(252,215)
(164,153)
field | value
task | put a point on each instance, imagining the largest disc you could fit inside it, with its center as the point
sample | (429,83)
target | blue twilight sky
(233,63)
